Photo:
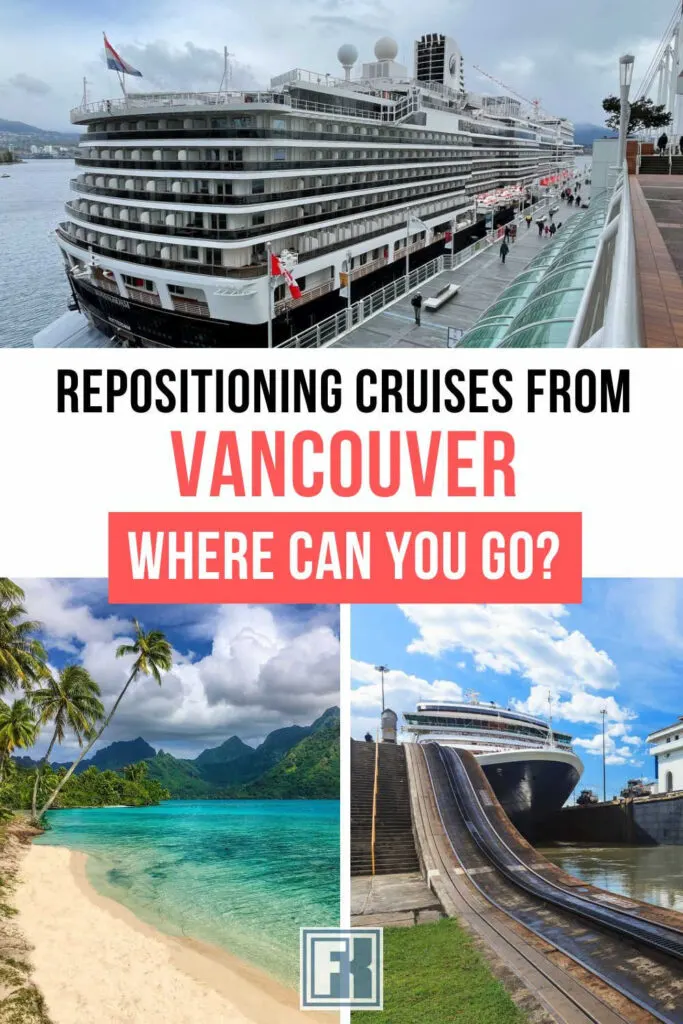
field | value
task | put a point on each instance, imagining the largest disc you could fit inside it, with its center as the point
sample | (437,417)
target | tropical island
(127,808)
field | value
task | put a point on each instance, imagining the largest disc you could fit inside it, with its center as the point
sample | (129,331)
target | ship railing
(312,77)
(334,327)
(146,102)
(158,100)
(609,315)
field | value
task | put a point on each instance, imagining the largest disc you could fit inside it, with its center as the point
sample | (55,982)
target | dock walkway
(481,281)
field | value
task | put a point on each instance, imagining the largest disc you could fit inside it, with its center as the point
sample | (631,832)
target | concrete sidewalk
(481,281)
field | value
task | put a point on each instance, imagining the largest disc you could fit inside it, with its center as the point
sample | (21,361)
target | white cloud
(265,669)
(402,691)
(533,642)
(528,640)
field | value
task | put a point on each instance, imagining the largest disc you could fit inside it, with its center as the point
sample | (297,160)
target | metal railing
(334,327)
(609,315)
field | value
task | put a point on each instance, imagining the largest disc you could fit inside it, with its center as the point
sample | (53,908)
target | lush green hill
(226,752)
(181,778)
(295,761)
(310,770)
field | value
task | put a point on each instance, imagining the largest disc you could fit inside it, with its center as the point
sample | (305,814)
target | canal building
(667,750)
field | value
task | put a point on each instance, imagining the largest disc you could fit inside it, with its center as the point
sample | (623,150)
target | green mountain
(295,761)
(181,778)
(228,751)
(310,770)
(21,128)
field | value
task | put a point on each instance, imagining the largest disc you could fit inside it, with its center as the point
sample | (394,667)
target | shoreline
(94,959)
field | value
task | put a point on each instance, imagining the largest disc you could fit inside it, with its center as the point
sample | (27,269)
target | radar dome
(386,48)
(347,55)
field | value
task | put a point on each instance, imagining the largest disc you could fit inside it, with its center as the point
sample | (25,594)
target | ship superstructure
(180,197)
(531,767)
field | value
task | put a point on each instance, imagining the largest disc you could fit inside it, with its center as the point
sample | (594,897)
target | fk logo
(341,968)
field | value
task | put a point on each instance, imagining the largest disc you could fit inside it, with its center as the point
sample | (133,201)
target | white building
(667,750)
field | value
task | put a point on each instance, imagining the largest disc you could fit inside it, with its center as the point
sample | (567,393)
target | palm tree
(153,656)
(135,772)
(71,701)
(22,656)
(18,728)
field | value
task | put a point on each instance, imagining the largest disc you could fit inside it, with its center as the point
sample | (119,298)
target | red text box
(346,557)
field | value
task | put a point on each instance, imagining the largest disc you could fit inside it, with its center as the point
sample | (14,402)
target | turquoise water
(241,874)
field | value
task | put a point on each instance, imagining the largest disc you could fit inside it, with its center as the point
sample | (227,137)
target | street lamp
(382,669)
(625,77)
(603,712)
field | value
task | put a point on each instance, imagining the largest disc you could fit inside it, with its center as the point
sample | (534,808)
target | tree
(135,772)
(71,701)
(22,656)
(644,113)
(153,656)
(18,728)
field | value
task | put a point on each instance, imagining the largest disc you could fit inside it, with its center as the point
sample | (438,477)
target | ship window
(278,124)
(257,187)
(175,289)
(243,122)
(669,782)
(219,122)
(258,218)
(279,154)
(190,252)
(223,188)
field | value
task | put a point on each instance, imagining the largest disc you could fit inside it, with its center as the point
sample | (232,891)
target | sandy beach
(94,960)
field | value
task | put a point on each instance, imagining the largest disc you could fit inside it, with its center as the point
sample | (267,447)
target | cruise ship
(241,218)
(531,768)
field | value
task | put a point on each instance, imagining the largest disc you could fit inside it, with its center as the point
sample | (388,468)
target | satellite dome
(347,55)
(386,48)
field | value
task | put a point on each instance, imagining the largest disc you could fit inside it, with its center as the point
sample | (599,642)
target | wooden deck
(658,223)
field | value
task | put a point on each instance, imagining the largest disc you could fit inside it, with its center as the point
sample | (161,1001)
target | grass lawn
(433,974)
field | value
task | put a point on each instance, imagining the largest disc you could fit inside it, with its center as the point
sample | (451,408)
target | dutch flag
(116,63)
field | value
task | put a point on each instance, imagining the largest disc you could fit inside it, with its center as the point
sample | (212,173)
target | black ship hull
(531,785)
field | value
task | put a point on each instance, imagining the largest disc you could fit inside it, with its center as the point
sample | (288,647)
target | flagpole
(269,257)
(408,254)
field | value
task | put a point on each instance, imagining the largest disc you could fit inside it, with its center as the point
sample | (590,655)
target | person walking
(540,228)
(416,303)
(528,220)
(504,250)
(506,233)
(662,143)
(552,230)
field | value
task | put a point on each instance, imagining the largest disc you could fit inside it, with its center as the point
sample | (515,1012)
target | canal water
(650,873)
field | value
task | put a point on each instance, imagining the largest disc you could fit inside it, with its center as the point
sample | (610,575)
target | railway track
(582,966)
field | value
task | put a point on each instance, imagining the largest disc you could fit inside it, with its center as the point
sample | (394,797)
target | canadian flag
(277,270)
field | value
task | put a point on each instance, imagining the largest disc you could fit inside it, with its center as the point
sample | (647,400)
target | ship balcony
(306,296)
(257,199)
(265,231)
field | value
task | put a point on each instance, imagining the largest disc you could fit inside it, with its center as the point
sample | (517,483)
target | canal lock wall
(646,821)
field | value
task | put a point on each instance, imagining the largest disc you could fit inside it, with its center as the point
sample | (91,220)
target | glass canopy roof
(538,308)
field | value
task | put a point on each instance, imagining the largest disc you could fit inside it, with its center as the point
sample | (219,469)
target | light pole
(349,261)
(625,76)
(603,712)
(382,669)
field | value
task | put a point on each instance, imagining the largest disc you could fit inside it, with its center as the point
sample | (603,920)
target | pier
(586,955)
(481,280)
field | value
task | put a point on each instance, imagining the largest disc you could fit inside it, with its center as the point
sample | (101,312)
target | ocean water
(241,874)
(33,287)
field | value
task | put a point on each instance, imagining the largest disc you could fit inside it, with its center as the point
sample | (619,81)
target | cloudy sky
(237,669)
(566,55)
(622,649)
